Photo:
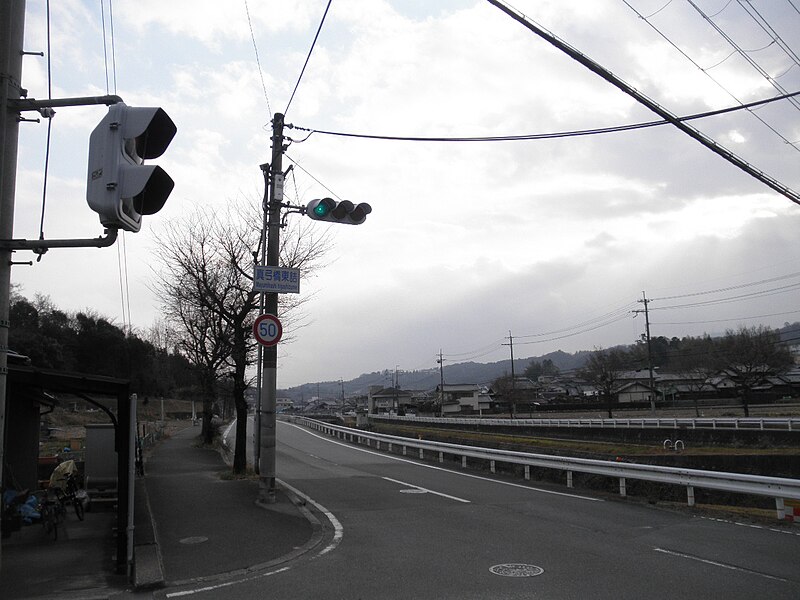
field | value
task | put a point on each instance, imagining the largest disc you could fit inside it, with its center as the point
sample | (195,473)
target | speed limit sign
(268,330)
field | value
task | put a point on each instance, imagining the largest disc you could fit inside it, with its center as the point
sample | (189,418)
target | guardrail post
(690,495)
(527,472)
(404,450)
(463,462)
(441,457)
(491,466)
(390,446)
(421,453)
(780,507)
(377,444)
(569,479)
(622,490)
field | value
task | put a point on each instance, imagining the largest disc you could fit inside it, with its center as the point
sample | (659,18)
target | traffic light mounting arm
(42,246)
(44,107)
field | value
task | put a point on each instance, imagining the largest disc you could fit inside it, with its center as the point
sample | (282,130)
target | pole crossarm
(44,245)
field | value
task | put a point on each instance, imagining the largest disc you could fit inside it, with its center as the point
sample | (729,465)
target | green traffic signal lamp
(322,208)
(327,209)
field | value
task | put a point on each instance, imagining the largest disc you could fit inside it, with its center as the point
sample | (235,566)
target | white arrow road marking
(426,490)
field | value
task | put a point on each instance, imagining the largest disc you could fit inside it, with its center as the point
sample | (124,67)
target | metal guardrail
(750,423)
(775,487)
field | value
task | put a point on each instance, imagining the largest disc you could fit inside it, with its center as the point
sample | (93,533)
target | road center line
(718,564)
(411,485)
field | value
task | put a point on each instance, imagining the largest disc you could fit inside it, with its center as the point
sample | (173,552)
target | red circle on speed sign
(268,330)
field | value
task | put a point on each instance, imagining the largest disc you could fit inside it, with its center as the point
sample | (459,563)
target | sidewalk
(205,525)
(190,525)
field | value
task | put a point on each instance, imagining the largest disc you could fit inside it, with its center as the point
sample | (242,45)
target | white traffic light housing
(120,187)
(327,209)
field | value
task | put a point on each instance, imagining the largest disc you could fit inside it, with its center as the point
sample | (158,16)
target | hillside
(428,379)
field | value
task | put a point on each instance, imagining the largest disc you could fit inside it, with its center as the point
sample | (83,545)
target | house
(464,398)
(635,392)
(389,400)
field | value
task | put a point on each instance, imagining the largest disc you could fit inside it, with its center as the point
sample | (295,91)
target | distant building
(464,398)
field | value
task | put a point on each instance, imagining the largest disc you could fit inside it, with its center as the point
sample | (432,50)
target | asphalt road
(397,528)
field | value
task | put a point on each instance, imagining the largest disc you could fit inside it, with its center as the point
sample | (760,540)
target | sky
(553,242)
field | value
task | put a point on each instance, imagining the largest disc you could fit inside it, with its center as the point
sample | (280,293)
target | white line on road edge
(211,588)
(337,526)
(718,564)
(411,485)
(435,468)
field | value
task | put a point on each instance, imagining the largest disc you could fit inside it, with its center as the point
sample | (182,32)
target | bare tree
(602,369)
(206,287)
(751,354)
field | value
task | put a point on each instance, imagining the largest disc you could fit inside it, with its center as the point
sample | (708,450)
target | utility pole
(269,369)
(440,360)
(645,301)
(12,26)
(510,344)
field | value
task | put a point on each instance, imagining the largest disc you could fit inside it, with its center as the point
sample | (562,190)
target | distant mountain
(428,379)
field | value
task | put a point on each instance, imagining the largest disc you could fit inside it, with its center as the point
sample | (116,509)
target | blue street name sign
(279,280)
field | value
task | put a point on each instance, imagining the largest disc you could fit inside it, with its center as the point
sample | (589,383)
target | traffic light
(327,209)
(120,188)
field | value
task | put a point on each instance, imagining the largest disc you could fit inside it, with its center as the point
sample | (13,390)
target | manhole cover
(198,539)
(516,570)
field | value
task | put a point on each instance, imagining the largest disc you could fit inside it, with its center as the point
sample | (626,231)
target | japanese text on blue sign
(276,279)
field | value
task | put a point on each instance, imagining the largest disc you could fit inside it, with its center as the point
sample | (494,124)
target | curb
(148,568)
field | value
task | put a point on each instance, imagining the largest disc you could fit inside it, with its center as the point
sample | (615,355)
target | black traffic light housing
(327,209)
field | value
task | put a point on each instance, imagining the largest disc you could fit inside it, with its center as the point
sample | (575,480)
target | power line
(258,60)
(707,74)
(303,70)
(741,52)
(546,136)
(608,76)
(780,314)
(730,288)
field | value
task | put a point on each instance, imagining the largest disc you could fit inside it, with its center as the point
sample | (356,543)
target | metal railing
(751,423)
(778,488)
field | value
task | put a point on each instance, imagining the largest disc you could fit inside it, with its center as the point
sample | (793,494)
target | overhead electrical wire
(729,288)
(258,60)
(711,77)
(741,52)
(780,314)
(608,76)
(754,13)
(545,136)
(49,131)
(308,56)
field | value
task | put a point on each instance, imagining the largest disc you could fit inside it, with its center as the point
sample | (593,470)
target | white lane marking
(338,530)
(718,564)
(417,487)
(435,468)
(752,526)
(211,588)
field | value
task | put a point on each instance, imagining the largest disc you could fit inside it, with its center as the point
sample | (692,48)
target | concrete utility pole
(12,28)
(269,370)
(644,300)
(440,360)
(510,344)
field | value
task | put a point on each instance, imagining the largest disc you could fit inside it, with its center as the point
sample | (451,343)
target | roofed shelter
(29,390)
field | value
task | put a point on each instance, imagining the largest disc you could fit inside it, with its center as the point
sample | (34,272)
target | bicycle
(73,495)
(52,512)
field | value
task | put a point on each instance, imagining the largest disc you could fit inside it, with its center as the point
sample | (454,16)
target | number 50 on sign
(267,330)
